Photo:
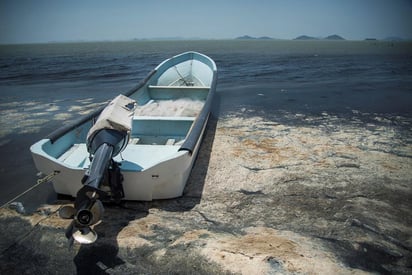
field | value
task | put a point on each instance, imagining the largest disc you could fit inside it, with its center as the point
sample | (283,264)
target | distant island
(301,37)
(330,37)
(248,37)
(334,37)
(305,37)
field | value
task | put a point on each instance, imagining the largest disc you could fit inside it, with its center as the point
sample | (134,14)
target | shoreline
(304,168)
(324,195)
(284,104)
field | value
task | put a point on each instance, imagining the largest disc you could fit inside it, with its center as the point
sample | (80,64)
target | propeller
(105,140)
(85,214)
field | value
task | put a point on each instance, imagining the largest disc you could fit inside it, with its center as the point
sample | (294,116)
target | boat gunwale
(197,127)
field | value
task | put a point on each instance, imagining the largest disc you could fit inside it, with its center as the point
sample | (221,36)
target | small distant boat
(141,146)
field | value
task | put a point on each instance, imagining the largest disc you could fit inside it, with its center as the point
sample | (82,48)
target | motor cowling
(106,139)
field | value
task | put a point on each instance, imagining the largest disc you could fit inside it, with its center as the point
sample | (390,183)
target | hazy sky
(23,21)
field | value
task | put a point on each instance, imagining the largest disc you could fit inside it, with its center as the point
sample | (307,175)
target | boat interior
(165,113)
(159,128)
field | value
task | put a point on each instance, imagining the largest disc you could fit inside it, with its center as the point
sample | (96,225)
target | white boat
(173,106)
(141,146)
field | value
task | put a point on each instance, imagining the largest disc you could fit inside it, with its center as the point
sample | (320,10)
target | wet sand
(284,185)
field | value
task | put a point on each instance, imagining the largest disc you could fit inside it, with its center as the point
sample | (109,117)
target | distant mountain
(245,37)
(305,37)
(248,37)
(301,37)
(334,37)
(330,37)
(264,38)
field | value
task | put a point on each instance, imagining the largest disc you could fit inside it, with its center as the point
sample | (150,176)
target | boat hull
(164,180)
(151,169)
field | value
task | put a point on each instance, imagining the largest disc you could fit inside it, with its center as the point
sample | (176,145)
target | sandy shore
(312,194)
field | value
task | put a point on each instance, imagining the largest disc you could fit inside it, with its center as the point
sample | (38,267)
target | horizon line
(243,37)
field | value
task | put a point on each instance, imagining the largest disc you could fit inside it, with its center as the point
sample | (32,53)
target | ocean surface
(43,86)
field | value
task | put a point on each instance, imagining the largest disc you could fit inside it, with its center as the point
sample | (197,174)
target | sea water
(44,86)
(94,72)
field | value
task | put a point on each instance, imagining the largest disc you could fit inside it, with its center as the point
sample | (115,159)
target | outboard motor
(103,180)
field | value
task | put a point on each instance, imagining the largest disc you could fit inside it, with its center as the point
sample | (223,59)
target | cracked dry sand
(302,194)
